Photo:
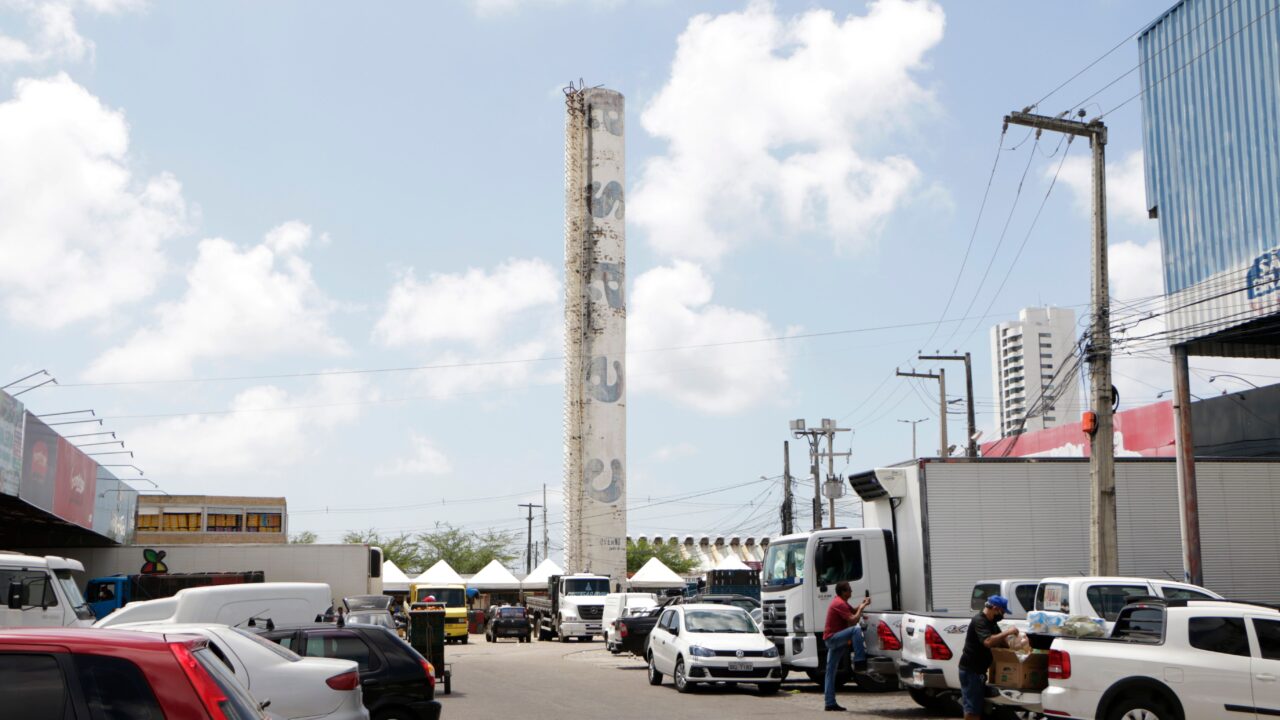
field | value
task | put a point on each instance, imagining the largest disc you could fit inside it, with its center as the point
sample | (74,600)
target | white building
(1027,358)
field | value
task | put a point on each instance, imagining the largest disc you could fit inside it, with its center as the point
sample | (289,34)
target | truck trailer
(934,527)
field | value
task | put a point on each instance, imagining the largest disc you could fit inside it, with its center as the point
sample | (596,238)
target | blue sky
(194,191)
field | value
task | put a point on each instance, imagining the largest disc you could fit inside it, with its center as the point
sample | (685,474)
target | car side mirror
(15,595)
(264,704)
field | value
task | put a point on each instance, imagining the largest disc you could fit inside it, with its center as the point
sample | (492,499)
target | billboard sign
(56,475)
(11,422)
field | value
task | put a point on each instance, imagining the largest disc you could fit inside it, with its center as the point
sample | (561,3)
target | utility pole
(528,547)
(913,424)
(788,518)
(1189,507)
(546,544)
(1103,556)
(941,377)
(814,436)
(971,447)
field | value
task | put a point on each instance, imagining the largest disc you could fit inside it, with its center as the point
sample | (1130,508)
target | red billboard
(56,475)
(1145,431)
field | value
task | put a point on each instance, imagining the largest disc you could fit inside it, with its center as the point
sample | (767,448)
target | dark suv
(397,682)
(507,621)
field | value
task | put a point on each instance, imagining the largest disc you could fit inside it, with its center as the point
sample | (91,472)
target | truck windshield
(451,597)
(592,586)
(73,595)
(784,564)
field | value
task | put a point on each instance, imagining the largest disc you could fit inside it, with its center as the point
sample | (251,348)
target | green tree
(638,553)
(306,537)
(467,551)
(404,550)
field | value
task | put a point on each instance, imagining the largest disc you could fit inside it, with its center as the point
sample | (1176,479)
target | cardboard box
(1031,673)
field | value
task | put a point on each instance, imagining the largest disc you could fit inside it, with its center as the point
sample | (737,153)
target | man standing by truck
(842,629)
(984,633)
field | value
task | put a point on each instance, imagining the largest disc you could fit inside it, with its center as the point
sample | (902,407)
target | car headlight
(699,651)
(568,616)
(772,652)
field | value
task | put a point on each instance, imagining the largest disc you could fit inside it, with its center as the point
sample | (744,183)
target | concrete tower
(1027,356)
(595,428)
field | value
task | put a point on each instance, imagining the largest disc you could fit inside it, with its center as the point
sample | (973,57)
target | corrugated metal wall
(983,526)
(1211,121)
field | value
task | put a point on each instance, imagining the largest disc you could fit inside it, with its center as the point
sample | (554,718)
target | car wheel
(465,638)
(770,688)
(655,677)
(1140,707)
(488,637)
(682,681)
(875,682)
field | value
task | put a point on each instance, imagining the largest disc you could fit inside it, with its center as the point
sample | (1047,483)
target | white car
(296,687)
(710,644)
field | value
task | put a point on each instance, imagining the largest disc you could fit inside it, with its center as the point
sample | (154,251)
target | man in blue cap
(984,634)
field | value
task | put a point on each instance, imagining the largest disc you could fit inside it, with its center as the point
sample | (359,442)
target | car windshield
(451,597)
(72,592)
(380,617)
(784,564)
(729,620)
(587,586)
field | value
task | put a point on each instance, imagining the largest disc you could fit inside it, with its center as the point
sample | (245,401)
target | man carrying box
(984,634)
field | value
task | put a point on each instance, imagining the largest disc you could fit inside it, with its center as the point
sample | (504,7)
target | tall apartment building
(1027,356)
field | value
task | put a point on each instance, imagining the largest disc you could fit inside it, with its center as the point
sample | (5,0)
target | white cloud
(268,430)
(1126,189)
(80,235)
(493,317)
(671,307)
(239,302)
(51,34)
(675,452)
(766,116)
(424,459)
(477,307)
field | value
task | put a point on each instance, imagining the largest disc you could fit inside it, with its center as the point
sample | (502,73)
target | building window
(1046,366)
(149,522)
(1050,418)
(1046,335)
(1046,346)
(224,521)
(180,522)
(263,522)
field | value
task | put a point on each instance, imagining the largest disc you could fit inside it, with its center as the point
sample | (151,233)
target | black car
(397,682)
(507,621)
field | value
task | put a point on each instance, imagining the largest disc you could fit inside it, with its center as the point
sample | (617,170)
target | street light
(1236,377)
(913,424)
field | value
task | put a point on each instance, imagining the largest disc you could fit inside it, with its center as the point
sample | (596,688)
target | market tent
(537,580)
(731,562)
(655,574)
(439,574)
(493,577)
(393,578)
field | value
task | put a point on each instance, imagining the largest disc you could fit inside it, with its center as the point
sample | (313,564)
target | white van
(626,604)
(235,605)
(40,592)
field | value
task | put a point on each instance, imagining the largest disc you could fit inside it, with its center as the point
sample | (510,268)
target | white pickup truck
(1166,660)
(932,642)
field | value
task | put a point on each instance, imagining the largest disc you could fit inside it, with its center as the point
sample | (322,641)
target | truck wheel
(769,688)
(682,681)
(465,638)
(923,698)
(562,637)
(1140,707)
(655,677)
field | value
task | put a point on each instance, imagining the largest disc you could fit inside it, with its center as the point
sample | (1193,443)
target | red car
(75,673)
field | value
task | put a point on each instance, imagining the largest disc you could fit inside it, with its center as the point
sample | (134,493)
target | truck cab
(454,600)
(108,594)
(799,579)
(41,592)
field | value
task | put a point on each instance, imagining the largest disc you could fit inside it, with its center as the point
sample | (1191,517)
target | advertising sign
(115,508)
(56,475)
(11,413)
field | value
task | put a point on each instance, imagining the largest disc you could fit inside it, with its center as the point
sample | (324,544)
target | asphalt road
(583,681)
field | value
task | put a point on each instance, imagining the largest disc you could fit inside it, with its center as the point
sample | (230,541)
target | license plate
(739,666)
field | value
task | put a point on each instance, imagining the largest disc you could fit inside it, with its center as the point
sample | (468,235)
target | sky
(315,249)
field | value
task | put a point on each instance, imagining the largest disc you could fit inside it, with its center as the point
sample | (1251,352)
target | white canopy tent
(537,580)
(493,577)
(440,574)
(731,562)
(655,575)
(393,578)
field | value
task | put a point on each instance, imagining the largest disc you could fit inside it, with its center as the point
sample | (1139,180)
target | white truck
(349,570)
(1166,660)
(932,527)
(932,642)
(572,607)
(40,591)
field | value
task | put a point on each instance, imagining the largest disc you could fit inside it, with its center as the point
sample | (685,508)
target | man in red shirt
(843,629)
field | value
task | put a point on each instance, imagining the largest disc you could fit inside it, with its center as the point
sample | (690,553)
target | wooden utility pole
(788,518)
(971,447)
(941,377)
(1189,505)
(528,547)
(1103,555)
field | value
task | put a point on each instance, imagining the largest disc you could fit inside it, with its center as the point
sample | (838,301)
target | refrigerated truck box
(958,520)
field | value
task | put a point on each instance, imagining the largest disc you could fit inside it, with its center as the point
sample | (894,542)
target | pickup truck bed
(635,630)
